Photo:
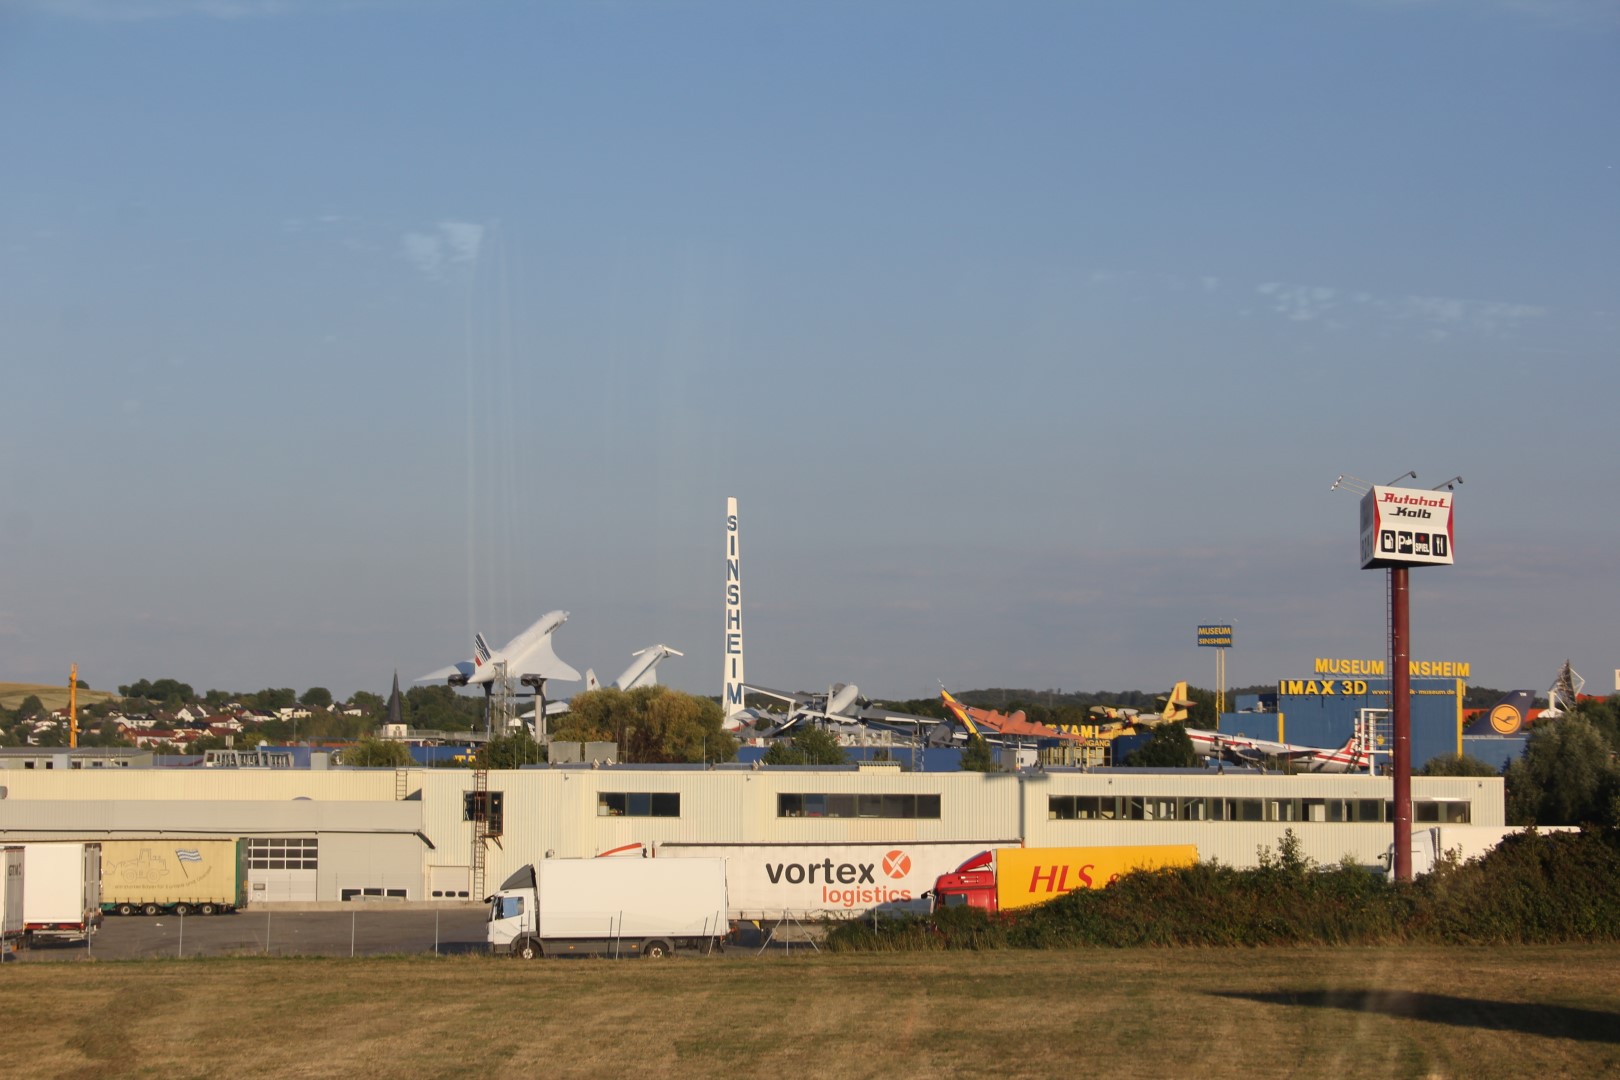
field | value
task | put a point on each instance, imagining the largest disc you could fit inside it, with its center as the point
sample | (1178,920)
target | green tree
(1603,715)
(439,708)
(368,703)
(31,708)
(650,724)
(1202,714)
(977,756)
(511,751)
(811,746)
(1457,765)
(1567,776)
(103,733)
(1168,748)
(316,697)
(164,691)
(373,753)
(269,700)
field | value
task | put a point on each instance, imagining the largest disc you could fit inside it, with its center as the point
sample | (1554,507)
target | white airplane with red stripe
(1242,750)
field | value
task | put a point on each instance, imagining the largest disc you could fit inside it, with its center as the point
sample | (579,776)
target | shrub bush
(1532,889)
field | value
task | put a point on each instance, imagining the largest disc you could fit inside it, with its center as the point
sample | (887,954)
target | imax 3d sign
(1405,527)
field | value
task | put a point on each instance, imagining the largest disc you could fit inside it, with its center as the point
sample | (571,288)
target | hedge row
(1533,888)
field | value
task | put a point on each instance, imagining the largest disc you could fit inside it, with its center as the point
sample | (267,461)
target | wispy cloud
(146,10)
(450,244)
(1572,13)
(1330,307)
(1440,316)
(1300,303)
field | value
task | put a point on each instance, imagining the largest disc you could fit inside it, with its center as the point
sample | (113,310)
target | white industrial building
(332,835)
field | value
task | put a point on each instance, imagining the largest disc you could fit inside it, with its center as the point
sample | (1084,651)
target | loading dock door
(283,868)
(450,883)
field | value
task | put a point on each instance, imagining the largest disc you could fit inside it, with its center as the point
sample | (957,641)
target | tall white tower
(732,703)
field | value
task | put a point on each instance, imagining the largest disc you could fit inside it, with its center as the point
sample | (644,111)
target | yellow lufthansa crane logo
(1505,719)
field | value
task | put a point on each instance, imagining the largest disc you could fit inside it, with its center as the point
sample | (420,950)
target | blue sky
(1028,335)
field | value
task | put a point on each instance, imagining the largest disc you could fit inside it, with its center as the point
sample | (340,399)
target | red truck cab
(973,884)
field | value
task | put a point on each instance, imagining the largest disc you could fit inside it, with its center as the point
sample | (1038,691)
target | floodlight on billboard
(1405,527)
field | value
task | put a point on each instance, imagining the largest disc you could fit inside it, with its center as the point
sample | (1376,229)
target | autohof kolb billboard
(1405,527)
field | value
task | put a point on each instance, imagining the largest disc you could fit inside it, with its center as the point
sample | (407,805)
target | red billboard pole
(1400,652)
(1402,528)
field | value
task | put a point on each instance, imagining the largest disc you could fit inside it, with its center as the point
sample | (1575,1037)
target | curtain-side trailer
(61,891)
(173,877)
(1005,879)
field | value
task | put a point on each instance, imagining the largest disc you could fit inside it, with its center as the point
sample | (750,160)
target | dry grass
(1216,1013)
(13,694)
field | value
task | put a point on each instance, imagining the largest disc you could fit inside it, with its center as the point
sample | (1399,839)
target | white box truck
(613,907)
(11,898)
(61,891)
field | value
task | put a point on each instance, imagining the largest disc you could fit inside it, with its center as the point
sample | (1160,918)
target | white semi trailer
(11,898)
(61,891)
(1433,843)
(773,882)
(613,907)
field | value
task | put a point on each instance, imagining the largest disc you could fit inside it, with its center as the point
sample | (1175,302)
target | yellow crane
(73,706)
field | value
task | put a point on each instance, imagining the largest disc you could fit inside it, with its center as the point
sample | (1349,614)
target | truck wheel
(527,949)
(182,909)
(151,909)
(126,909)
(207,909)
(657,949)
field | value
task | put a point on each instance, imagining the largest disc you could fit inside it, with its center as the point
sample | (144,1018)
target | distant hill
(13,694)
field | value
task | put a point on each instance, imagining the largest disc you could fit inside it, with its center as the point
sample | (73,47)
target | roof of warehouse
(719,766)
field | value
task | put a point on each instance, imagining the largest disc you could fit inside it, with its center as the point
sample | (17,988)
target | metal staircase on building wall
(480,832)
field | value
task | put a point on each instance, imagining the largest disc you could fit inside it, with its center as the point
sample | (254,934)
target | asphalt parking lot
(359,931)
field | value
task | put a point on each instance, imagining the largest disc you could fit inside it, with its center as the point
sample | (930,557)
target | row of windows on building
(667,804)
(858,806)
(284,853)
(1198,808)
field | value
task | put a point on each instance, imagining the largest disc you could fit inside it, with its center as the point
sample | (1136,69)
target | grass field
(13,694)
(1161,1013)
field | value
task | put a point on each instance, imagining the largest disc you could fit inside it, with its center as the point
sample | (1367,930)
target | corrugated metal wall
(555,811)
(199,784)
(1237,843)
